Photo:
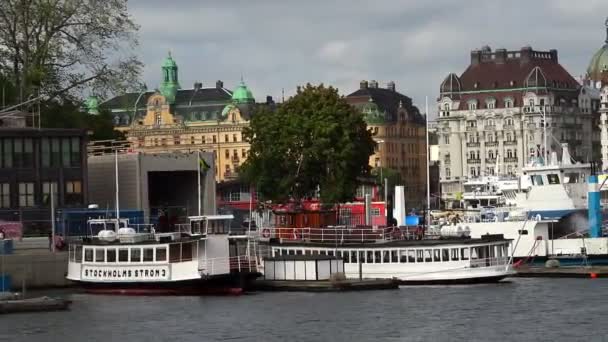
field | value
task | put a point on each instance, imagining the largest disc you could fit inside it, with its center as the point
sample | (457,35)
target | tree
(70,115)
(59,46)
(313,142)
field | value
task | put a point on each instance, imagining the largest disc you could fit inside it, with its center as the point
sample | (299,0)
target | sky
(276,45)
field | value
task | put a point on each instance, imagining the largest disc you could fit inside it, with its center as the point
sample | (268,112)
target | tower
(170,83)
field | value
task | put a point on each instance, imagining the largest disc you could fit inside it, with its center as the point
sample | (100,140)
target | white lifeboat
(106,235)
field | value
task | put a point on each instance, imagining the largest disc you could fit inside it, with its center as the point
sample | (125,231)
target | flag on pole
(203,165)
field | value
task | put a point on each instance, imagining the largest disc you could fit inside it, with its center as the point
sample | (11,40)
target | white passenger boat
(201,257)
(394,253)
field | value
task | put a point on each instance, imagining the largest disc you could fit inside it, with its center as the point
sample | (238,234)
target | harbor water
(519,310)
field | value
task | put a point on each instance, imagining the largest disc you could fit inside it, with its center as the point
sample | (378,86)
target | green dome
(169,62)
(372,113)
(242,94)
(599,61)
(92,105)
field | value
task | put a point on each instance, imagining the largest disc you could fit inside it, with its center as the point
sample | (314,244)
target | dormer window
(512,83)
(472,104)
(476,85)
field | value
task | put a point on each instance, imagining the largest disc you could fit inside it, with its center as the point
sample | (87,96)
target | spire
(170,83)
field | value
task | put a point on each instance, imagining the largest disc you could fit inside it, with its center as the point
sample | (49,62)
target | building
(400,132)
(170,118)
(595,86)
(35,163)
(159,184)
(492,117)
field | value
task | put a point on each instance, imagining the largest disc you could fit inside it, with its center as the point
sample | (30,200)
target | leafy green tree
(61,47)
(70,115)
(313,143)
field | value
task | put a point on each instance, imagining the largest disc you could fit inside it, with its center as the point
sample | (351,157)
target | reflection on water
(521,310)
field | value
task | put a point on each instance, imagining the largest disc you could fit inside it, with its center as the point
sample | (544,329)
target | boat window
(100,255)
(464,253)
(553,178)
(323,252)
(403,256)
(123,255)
(427,255)
(361,256)
(353,257)
(436,255)
(299,252)
(498,251)
(88,254)
(78,254)
(307,252)
(370,257)
(394,256)
(174,252)
(386,256)
(411,255)
(111,255)
(445,254)
(537,180)
(455,255)
(291,252)
(419,255)
(315,252)
(474,253)
(148,254)
(187,251)
(161,254)
(377,257)
(571,178)
(135,254)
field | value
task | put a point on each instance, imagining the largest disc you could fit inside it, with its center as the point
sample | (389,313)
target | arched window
(509,137)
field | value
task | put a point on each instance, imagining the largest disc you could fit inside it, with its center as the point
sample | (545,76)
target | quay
(562,272)
(325,285)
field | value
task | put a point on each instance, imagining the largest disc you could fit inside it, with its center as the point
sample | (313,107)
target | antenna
(116,176)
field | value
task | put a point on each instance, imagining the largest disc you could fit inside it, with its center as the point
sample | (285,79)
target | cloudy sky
(279,44)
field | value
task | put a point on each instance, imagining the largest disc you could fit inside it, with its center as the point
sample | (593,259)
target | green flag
(203,165)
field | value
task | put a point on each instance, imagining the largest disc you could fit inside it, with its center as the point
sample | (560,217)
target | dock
(562,272)
(40,304)
(326,285)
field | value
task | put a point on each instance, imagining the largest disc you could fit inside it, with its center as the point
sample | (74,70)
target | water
(523,310)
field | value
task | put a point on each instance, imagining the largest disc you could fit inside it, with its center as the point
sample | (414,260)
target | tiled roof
(387,100)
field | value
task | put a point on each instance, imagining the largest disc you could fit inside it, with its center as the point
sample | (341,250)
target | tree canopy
(315,141)
(56,47)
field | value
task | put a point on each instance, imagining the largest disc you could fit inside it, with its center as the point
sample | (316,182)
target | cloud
(279,45)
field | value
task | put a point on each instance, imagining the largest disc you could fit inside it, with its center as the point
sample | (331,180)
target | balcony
(474,161)
(508,127)
(489,127)
(491,144)
(511,160)
(510,143)
(230,175)
(472,144)
(490,160)
(471,128)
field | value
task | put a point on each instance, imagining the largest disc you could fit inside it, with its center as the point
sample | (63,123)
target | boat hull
(230,284)
(463,281)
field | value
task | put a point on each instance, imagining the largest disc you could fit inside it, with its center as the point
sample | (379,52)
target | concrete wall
(37,269)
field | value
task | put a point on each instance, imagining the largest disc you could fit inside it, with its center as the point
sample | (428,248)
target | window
(45,145)
(100,254)
(111,255)
(18,155)
(375,211)
(353,257)
(531,102)
(394,257)
(403,256)
(419,255)
(78,254)
(508,103)
(5,195)
(509,137)
(244,153)
(428,255)
(88,254)
(377,257)
(135,254)
(472,123)
(509,154)
(454,254)
(472,105)
(553,178)
(75,152)
(148,254)
(46,193)
(123,255)
(28,153)
(214,139)
(537,180)
(234,138)
(186,251)
(464,254)
(73,192)
(445,254)
(6,153)
(65,152)
(203,139)
(161,254)
(227,153)
(26,194)
(436,255)
(226,138)
(446,138)
(447,172)
(174,252)
(55,152)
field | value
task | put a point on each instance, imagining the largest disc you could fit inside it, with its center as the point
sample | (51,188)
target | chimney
(373,84)
(363,84)
(269,100)
(500,55)
(198,85)
(553,54)
(390,86)
(526,54)
(219,84)
(475,57)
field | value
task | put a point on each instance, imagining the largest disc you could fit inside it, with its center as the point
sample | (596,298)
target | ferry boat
(201,257)
(392,252)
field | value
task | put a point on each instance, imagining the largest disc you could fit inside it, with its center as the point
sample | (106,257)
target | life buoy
(265,233)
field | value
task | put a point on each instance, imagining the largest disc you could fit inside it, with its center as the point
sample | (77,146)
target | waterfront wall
(36,269)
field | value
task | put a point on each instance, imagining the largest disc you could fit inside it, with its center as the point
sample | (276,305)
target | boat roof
(301,258)
(211,217)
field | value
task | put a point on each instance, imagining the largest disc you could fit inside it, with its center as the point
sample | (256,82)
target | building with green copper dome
(598,66)
(201,118)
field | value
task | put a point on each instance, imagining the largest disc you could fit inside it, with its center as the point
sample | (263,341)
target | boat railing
(487,262)
(239,263)
(342,234)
